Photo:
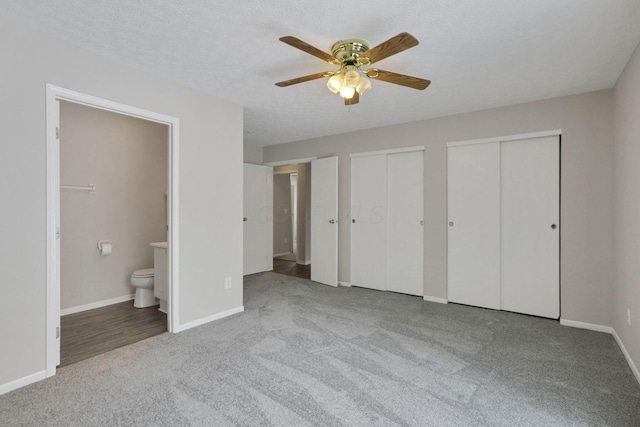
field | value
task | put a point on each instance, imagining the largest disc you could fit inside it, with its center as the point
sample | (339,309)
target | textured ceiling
(479,54)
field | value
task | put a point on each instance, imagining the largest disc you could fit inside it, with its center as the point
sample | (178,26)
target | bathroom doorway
(91,205)
(125,161)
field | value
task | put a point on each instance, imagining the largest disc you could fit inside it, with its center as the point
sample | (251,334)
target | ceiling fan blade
(302,79)
(399,79)
(354,99)
(397,44)
(306,47)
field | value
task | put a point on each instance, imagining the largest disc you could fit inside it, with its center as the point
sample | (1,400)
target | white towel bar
(90,188)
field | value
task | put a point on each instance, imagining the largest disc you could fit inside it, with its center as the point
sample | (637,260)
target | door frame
(54,94)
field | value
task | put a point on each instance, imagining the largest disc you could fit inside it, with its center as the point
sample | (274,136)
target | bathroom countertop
(161,245)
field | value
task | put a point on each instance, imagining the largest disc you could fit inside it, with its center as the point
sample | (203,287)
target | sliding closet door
(530,226)
(473,176)
(369,221)
(405,236)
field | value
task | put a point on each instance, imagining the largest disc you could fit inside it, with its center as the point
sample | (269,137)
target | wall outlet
(285,240)
(227,283)
(629,316)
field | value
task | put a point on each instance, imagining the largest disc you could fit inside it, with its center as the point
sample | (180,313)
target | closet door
(530,226)
(258,219)
(405,236)
(473,176)
(369,221)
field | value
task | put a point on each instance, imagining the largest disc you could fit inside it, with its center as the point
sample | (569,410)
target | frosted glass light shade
(335,83)
(363,86)
(352,78)
(347,92)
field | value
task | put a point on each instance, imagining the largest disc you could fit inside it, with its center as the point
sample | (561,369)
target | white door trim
(290,162)
(53,95)
(506,138)
(390,151)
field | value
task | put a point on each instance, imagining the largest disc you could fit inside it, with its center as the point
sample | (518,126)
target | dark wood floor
(291,268)
(93,332)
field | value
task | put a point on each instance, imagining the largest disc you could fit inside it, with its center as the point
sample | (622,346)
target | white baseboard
(303,262)
(98,304)
(344,284)
(589,326)
(627,356)
(434,299)
(282,254)
(21,382)
(210,318)
(609,330)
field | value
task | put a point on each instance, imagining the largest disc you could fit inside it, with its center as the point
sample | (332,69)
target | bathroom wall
(282,230)
(126,159)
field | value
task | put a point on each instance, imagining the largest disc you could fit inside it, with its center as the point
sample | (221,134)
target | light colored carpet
(308,354)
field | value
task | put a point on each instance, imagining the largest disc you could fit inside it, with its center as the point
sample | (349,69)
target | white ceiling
(478,53)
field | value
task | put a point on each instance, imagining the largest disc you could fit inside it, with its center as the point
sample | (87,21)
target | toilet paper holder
(104,247)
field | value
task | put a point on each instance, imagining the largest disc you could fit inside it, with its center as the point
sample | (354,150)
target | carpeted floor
(308,354)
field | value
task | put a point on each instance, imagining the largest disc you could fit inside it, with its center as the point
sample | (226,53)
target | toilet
(142,280)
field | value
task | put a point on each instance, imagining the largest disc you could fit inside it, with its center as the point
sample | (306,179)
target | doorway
(291,229)
(125,160)
(54,96)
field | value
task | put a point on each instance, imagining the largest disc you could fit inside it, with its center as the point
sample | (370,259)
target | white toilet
(142,280)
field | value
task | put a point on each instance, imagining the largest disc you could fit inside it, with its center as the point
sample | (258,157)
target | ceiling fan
(351,80)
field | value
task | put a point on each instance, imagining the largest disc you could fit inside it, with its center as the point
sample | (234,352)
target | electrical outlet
(227,283)
(629,316)
(286,240)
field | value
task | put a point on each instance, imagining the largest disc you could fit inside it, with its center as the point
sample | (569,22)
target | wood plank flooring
(93,332)
(291,268)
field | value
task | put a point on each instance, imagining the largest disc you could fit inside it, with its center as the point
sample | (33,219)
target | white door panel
(369,221)
(258,219)
(474,224)
(530,209)
(324,221)
(405,230)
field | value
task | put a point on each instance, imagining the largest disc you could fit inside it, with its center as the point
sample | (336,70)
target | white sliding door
(369,221)
(473,177)
(405,236)
(324,221)
(258,219)
(530,236)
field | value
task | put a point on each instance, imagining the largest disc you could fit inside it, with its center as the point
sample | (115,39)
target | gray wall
(282,230)
(627,207)
(126,158)
(210,154)
(252,154)
(587,180)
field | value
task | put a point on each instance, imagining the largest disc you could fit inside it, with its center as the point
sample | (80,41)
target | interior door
(369,221)
(258,219)
(405,234)
(530,235)
(324,221)
(473,268)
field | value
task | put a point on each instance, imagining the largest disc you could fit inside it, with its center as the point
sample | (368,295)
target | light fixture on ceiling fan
(351,80)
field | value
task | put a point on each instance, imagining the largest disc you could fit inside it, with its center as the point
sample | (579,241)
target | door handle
(450,223)
(353,221)
(553,226)
(332,221)
(421,222)
(244,219)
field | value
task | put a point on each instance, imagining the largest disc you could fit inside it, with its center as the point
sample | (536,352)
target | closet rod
(90,188)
